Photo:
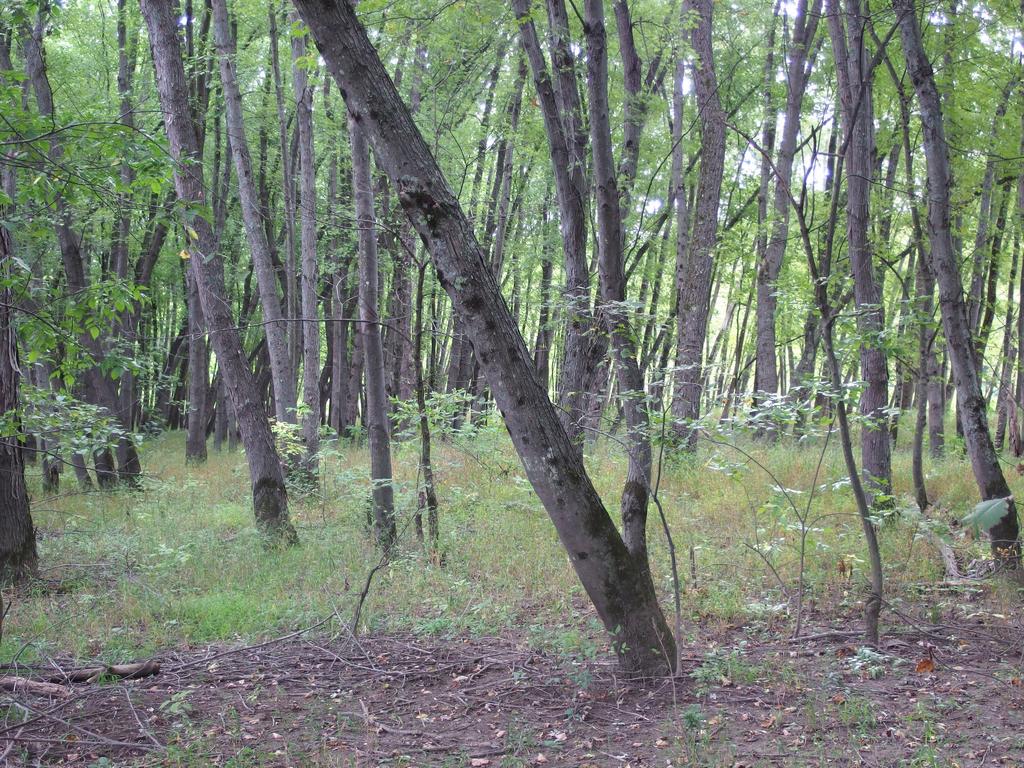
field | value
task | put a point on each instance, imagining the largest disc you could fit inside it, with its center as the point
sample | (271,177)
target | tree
(854,72)
(270,499)
(276,328)
(618,583)
(971,404)
(694,265)
(307,241)
(369,329)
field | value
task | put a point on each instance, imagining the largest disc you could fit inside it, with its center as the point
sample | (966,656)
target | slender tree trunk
(847,29)
(308,280)
(290,273)
(270,500)
(984,461)
(583,348)
(376,416)
(275,326)
(613,289)
(1009,352)
(428,494)
(198,377)
(693,272)
(799,63)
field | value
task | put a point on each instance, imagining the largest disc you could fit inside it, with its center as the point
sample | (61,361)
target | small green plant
(726,668)
(869,662)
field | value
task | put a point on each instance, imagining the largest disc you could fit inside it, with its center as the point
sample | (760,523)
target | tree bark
(275,327)
(622,590)
(307,240)
(847,30)
(984,461)
(617,317)
(376,415)
(270,500)
(693,271)
(799,62)
(198,376)
(18,557)
(583,348)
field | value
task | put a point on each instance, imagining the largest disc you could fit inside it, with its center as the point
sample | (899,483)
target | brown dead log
(132,671)
(16,684)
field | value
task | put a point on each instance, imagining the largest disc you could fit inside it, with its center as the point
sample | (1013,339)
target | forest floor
(936,695)
(494,657)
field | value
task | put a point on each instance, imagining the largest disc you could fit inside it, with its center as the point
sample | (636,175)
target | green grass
(127,573)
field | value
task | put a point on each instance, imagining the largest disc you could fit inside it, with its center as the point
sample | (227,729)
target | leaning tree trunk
(270,499)
(984,460)
(275,327)
(376,416)
(620,588)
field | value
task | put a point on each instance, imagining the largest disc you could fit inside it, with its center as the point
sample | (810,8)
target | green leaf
(987,513)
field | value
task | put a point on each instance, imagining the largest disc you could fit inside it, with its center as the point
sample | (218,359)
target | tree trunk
(583,348)
(308,280)
(428,494)
(198,377)
(290,272)
(853,74)
(621,589)
(18,557)
(275,326)
(614,311)
(270,500)
(693,271)
(984,461)
(376,415)
(799,62)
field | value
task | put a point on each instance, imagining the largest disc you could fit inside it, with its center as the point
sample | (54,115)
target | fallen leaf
(479,762)
(540,758)
(844,652)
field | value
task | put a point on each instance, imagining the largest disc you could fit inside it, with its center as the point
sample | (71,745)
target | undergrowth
(179,563)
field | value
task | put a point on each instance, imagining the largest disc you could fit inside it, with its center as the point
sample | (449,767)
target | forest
(482,383)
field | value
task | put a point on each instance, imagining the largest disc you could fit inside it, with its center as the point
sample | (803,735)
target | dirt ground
(934,695)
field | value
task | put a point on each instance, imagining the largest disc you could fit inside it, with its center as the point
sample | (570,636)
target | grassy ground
(179,563)
(178,567)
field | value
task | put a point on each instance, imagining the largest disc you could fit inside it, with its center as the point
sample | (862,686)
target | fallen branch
(16,684)
(132,671)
